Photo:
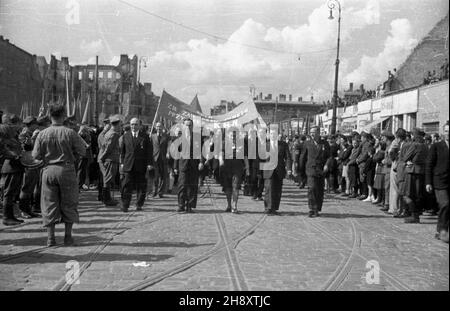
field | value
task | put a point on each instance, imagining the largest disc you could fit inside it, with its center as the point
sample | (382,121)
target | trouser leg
(443,215)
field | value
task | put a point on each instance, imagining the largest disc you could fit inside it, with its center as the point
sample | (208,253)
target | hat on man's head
(387,134)
(29,120)
(418,132)
(43,119)
(114,119)
(10,118)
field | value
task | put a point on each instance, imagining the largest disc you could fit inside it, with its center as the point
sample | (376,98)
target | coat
(437,166)
(136,153)
(315,156)
(159,147)
(284,158)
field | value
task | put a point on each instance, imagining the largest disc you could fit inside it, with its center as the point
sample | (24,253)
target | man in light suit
(159,143)
(136,157)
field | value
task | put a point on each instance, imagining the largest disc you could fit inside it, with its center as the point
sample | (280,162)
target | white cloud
(202,60)
(140,43)
(397,46)
(92,47)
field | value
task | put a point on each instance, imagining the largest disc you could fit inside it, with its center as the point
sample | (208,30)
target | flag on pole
(87,116)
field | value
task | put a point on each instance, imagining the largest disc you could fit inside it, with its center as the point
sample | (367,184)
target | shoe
(345,194)
(181,209)
(384,209)
(85,187)
(189,210)
(93,187)
(437,236)
(51,242)
(353,196)
(234,211)
(138,207)
(228,209)
(25,215)
(362,197)
(154,195)
(254,198)
(260,199)
(412,220)
(313,214)
(397,215)
(161,196)
(111,202)
(11,222)
(68,241)
(368,199)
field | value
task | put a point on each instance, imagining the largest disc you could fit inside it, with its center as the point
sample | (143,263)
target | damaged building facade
(31,80)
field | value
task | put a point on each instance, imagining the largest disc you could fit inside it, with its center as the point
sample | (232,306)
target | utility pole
(96,92)
(331,5)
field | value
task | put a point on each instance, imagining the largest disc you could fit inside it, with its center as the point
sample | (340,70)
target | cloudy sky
(219,48)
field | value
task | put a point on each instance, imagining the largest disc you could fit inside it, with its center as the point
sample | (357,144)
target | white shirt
(135,134)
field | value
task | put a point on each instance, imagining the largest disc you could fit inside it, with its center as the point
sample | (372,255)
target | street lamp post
(332,5)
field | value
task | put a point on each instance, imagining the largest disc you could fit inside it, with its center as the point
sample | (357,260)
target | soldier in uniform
(31,175)
(187,170)
(59,147)
(316,153)
(108,159)
(412,158)
(12,169)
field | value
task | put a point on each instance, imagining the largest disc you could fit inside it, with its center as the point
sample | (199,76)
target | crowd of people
(433,76)
(43,159)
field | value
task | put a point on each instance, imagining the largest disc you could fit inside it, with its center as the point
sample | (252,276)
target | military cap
(43,119)
(418,132)
(10,118)
(29,120)
(115,118)
(387,134)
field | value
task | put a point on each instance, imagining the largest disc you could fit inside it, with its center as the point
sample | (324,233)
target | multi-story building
(223,107)
(283,109)
(20,79)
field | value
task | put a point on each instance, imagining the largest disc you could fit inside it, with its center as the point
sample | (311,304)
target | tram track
(224,243)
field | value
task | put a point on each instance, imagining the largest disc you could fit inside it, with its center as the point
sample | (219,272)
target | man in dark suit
(436,178)
(273,178)
(159,143)
(316,153)
(361,162)
(136,157)
(187,168)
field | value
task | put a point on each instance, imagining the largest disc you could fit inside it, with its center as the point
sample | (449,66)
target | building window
(431,128)
(80,75)
(109,74)
(91,75)
(100,74)
(117,75)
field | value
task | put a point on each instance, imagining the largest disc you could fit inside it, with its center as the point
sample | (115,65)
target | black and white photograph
(226,151)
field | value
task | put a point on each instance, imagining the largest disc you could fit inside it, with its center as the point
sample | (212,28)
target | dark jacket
(284,159)
(190,165)
(437,166)
(315,156)
(344,155)
(136,153)
(160,147)
(363,155)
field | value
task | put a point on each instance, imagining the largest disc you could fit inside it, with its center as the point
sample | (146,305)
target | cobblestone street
(158,249)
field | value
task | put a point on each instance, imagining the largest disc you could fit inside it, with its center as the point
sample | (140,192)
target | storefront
(433,110)
(348,120)
(364,114)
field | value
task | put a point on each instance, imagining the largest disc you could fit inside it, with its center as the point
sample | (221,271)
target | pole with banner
(156,114)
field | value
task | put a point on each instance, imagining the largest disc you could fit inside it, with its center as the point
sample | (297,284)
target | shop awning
(369,126)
